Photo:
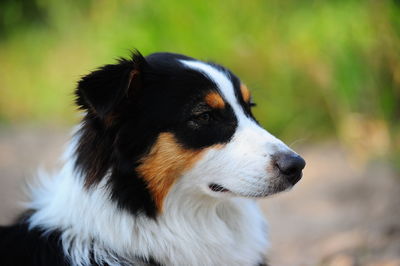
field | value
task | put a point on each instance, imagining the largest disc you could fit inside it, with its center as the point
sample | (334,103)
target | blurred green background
(318,69)
(324,73)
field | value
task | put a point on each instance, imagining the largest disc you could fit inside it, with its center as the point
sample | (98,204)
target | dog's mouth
(217,188)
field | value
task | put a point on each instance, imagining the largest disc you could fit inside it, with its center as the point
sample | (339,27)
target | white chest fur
(190,231)
(209,233)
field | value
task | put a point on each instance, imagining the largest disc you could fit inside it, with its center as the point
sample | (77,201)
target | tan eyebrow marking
(245,92)
(215,100)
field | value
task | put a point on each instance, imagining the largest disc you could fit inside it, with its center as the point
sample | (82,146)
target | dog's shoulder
(20,245)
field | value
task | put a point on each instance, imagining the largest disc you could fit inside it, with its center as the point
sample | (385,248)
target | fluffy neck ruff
(192,229)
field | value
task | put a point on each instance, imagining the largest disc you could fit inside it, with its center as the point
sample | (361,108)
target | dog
(163,169)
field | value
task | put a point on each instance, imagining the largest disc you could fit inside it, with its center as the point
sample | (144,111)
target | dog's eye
(204,117)
(200,119)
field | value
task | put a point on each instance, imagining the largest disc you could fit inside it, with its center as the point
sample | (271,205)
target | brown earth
(340,214)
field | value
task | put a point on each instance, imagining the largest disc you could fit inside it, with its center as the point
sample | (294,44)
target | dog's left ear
(103,90)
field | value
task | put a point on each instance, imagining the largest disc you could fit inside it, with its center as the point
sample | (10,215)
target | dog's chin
(268,190)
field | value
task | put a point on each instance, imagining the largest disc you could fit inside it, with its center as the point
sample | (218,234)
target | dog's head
(166,120)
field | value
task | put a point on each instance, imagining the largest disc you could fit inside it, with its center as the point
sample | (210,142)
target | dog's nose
(290,165)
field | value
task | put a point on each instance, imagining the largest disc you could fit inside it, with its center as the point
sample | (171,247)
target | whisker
(297,141)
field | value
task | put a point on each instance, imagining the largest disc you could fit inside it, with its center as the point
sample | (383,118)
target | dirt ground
(339,214)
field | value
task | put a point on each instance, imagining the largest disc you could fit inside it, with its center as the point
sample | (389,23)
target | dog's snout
(290,165)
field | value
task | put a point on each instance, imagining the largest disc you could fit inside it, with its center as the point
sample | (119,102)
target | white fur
(197,226)
(194,229)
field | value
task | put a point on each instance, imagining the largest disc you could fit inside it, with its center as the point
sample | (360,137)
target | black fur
(21,246)
(126,113)
(103,93)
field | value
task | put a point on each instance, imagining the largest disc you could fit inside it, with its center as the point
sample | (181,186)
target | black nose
(290,165)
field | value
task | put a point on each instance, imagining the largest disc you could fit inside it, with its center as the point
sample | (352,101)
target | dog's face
(168,120)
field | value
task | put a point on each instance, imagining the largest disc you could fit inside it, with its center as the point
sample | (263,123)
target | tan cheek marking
(215,100)
(245,92)
(166,161)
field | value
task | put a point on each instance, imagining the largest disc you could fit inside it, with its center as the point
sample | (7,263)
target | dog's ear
(103,90)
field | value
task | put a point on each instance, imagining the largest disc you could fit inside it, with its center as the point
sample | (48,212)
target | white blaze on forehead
(223,83)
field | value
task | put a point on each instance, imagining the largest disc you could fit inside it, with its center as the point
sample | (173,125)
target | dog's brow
(215,100)
(245,92)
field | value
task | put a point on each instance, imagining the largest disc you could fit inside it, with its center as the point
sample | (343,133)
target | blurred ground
(339,214)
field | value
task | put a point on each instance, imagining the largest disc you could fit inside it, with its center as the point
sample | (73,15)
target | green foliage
(310,64)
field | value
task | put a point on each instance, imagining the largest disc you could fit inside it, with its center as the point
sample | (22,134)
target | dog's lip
(217,188)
